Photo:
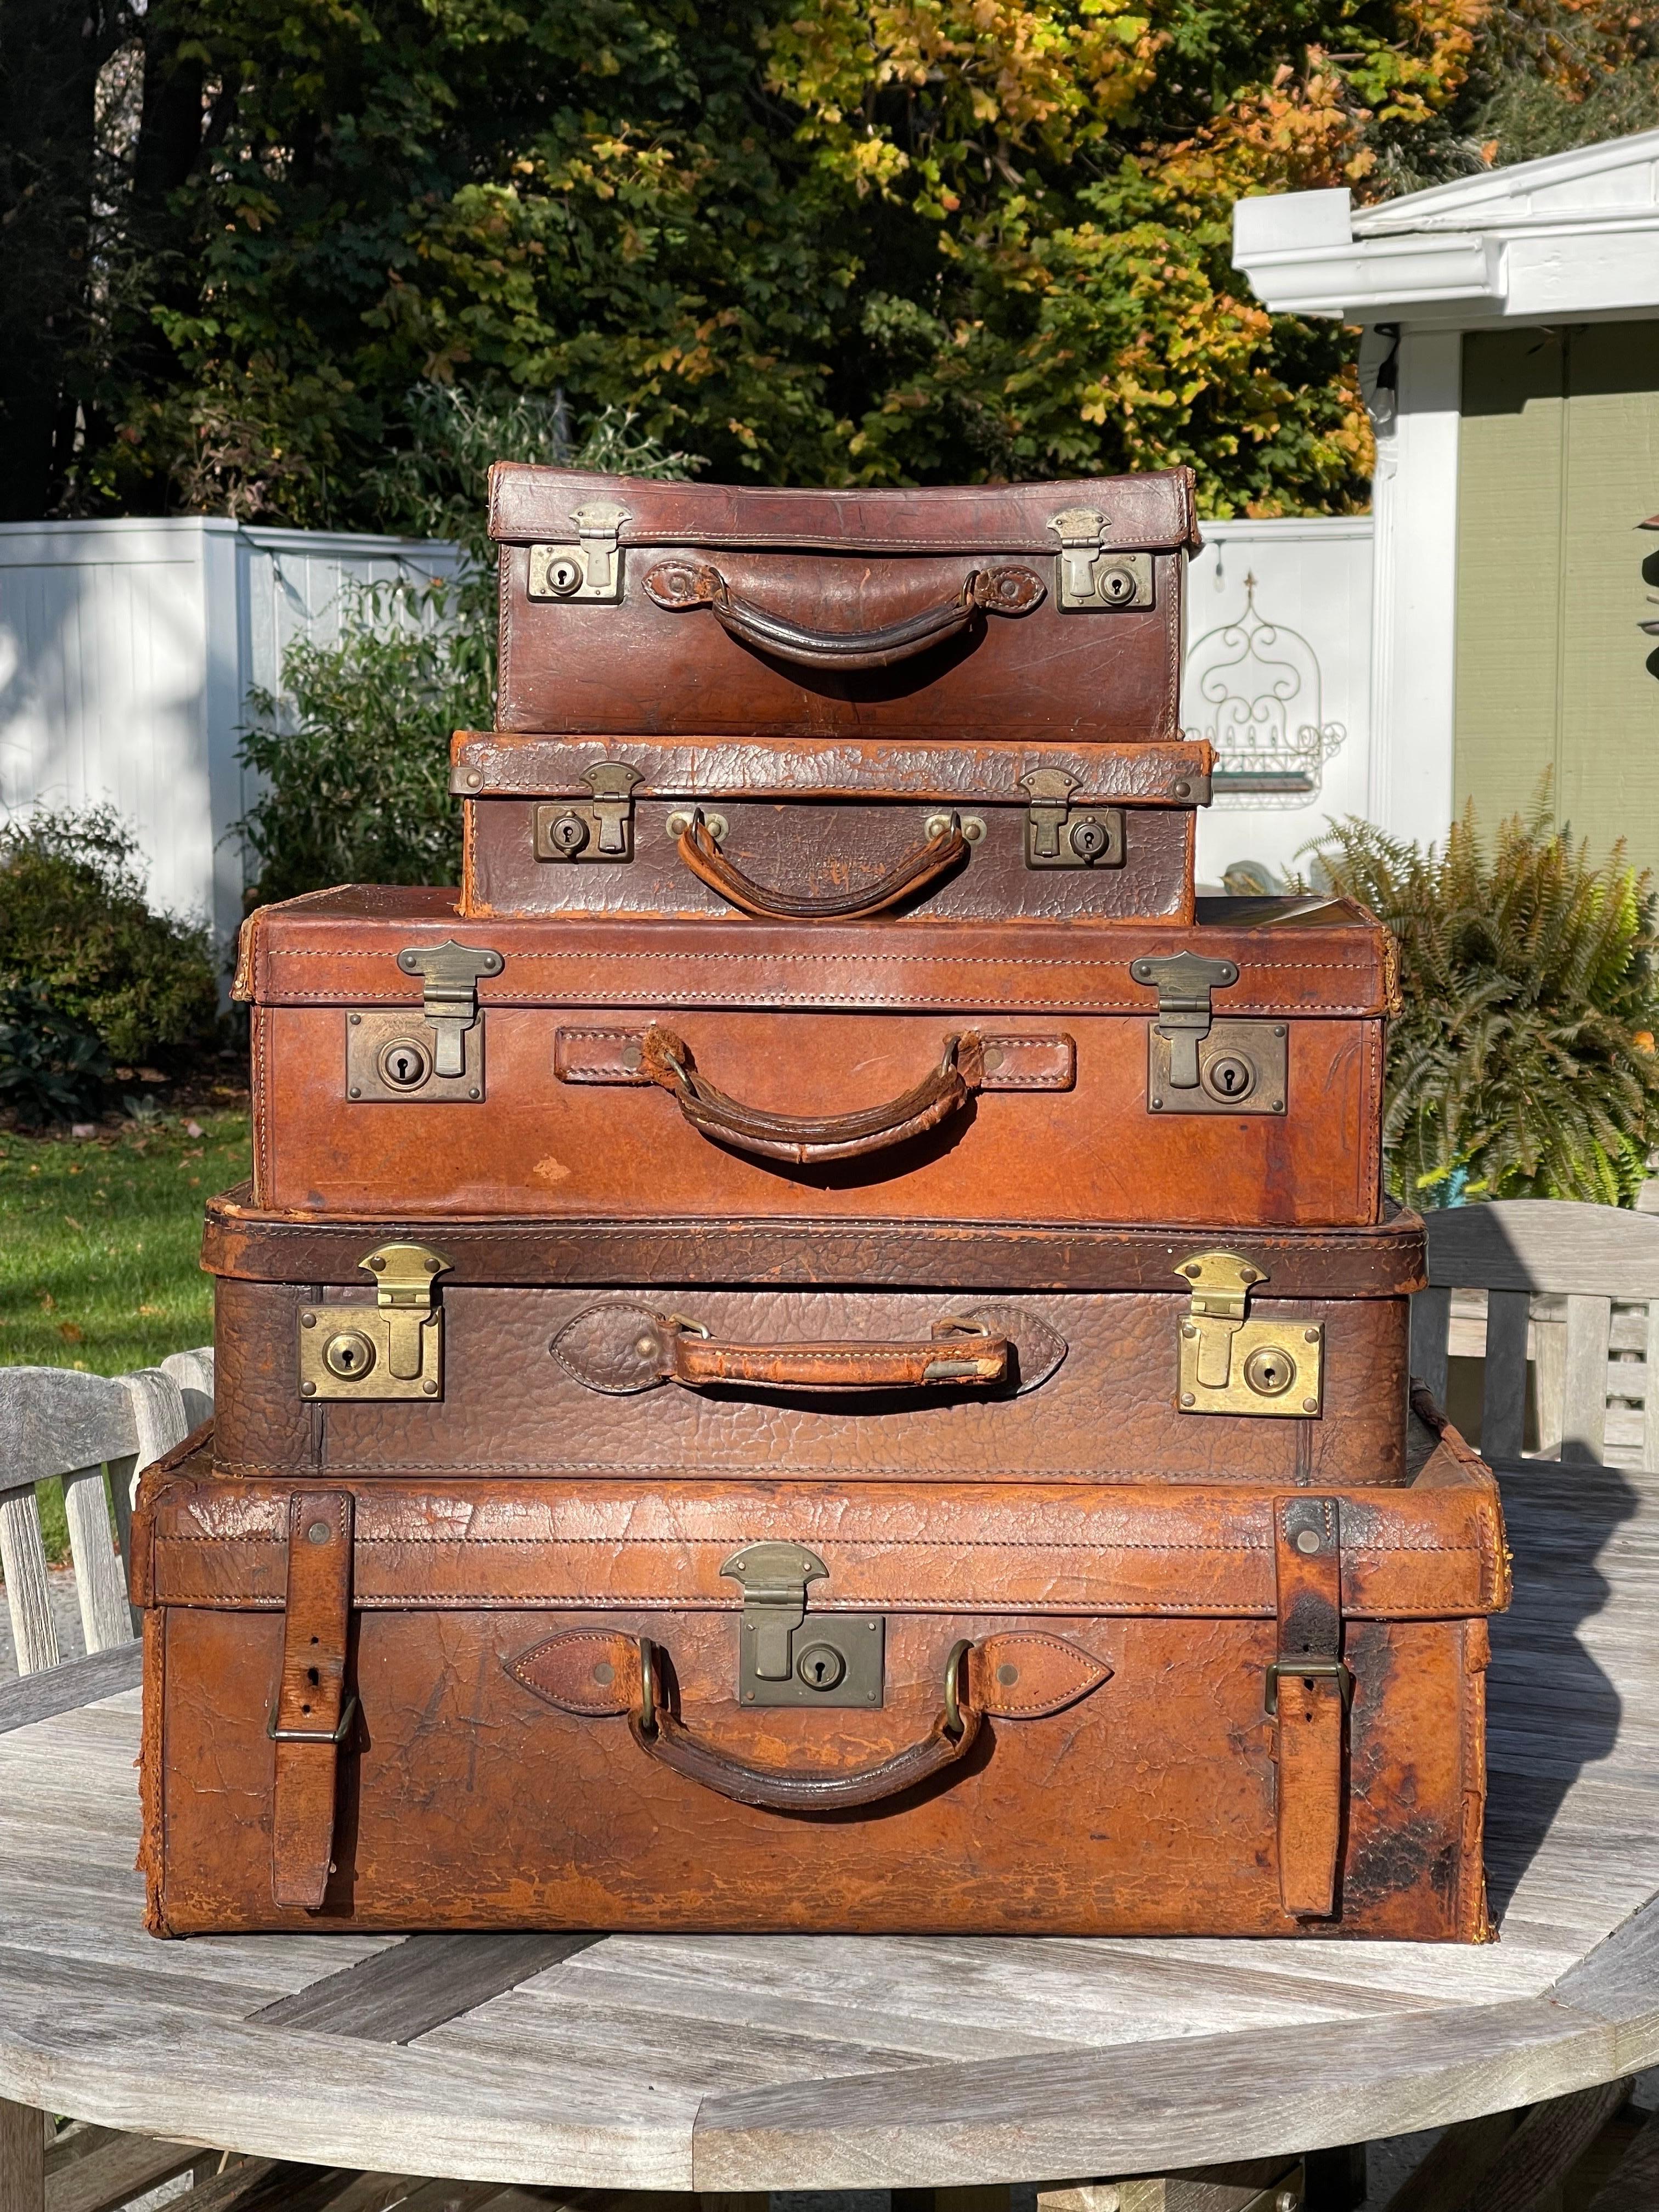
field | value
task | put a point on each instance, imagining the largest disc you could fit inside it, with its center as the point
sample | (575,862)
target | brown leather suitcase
(410,1064)
(1035,612)
(1040,1709)
(669,1350)
(827,831)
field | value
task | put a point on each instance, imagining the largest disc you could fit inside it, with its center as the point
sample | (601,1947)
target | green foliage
(52,1069)
(354,761)
(1524,1065)
(76,927)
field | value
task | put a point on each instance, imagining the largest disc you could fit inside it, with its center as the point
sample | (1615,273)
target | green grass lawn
(98,1239)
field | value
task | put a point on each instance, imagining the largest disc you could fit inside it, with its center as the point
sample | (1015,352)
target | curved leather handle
(959,1353)
(951,1738)
(680,585)
(806,1138)
(914,873)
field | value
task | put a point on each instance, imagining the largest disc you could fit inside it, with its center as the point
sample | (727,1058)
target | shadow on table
(1550,1709)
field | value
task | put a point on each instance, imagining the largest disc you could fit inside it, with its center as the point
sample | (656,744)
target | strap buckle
(313,1735)
(1336,1670)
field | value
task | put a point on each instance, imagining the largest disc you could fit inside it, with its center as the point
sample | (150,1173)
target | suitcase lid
(498,764)
(1153,512)
(1315,957)
(1434,1550)
(252,1244)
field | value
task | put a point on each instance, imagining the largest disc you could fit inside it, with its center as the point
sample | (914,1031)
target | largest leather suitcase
(666,1351)
(869,1707)
(408,1064)
(1026,611)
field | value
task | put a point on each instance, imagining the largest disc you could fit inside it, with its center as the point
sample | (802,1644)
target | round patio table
(726,2063)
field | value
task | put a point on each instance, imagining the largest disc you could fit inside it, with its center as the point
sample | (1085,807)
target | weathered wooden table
(677,2063)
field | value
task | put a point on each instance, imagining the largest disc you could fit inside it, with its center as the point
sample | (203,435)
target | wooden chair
(54,1421)
(1552,1270)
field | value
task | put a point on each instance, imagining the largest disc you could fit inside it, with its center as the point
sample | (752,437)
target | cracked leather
(1105,1412)
(802,570)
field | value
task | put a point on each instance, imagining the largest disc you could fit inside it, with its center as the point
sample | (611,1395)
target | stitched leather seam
(862,959)
(848,1545)
(494,1601)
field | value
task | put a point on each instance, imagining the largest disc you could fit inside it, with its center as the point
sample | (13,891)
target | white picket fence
(128,650)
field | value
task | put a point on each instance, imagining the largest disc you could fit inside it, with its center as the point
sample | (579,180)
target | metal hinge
(1092,576)
(600,829)
(449,975)
(392,1349)
(592,568)
(1184,981)
(1230,1363)
(1061,835)
(837,1661)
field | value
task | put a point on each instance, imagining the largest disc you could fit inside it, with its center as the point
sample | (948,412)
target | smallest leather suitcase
(828,830)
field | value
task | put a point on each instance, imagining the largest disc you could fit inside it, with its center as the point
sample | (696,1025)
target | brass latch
(1092,576)
(780,1662)
(392,1349)
(600,829)
(589,569)
(1232,1363)
(449,975)
(1184,981)
(1061,835)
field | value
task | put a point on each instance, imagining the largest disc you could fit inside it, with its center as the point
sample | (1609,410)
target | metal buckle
(1336,1670)
(313,1735)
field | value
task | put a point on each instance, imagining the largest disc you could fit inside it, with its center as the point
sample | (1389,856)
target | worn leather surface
(310,1697)
(825,850)
(846,564)
(1382,1260)
(1312,1708)
(1092,1397)
(871,1006)
(1149,1803)
(982,772)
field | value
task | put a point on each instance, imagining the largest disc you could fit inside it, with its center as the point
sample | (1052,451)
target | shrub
(356,788)
(76,927)
(51,1068)
(1523,1063)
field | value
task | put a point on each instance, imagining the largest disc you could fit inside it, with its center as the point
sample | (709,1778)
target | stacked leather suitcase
(820,1347)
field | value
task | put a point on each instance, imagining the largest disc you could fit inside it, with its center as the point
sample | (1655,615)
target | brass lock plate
(1105,580)
(598,828)
(1274,1367)
(1243,1068)
(835,1659)
(392,1058)
(392,1349)
(589,569)
(1082,837)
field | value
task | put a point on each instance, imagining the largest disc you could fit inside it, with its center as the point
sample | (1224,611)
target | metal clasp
(1061,835)
(1230,1363)
(602,829)
(1335,1670)
(1184,981)
(394,1349)
(1091,576)
(589,569)
(449,974)
(838,1661)
(774,1579)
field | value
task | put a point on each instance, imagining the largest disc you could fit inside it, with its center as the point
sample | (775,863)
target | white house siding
(127,651)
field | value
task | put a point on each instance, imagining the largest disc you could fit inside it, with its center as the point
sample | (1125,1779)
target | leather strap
(312,1714)
(916,872)
(957,1355)
(680,585)
(1307,1691)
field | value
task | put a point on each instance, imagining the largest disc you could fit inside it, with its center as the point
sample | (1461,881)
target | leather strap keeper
(313,1715)
(1307,1691)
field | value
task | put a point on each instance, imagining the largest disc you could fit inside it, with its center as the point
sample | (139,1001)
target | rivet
(1310,1405)
(990,1058)
(1249,1275)
(307,1389)
(1187,1329)
(1278,1105)
(307,1321)
(1310,1336)
(1188,1399)
(1306,1540)
(354,1092)
(473,779)
(319,1533)
(1278,1029)
(377,1261)
(1183,788)
(429,1389)
(749,1696)
(356,1021)
(1007,1675)
(1156,1103)
(645,1345)
(432,1266)
(475,1093)
(604,1671)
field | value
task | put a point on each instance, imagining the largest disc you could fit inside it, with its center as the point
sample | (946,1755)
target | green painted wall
(1558,465)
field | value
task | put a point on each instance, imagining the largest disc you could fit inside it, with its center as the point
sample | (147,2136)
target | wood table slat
(413,1986)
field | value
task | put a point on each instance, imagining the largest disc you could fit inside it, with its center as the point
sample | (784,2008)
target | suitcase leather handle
(958,1353)
(657,1732)
(681,586)
(806,1138)
(913,873)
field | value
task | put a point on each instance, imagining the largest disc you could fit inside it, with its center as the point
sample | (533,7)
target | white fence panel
(1279,679)
(127,652)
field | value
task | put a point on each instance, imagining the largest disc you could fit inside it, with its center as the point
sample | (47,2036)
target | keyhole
(1088,839)
(405,1064)
(1230,1076)
(1117,584)
(568,834)
(1269,1372)
(350,1355)
(820,1667)
(564,576)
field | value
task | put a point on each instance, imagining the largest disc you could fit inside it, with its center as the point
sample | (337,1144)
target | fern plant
(1522,1065)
